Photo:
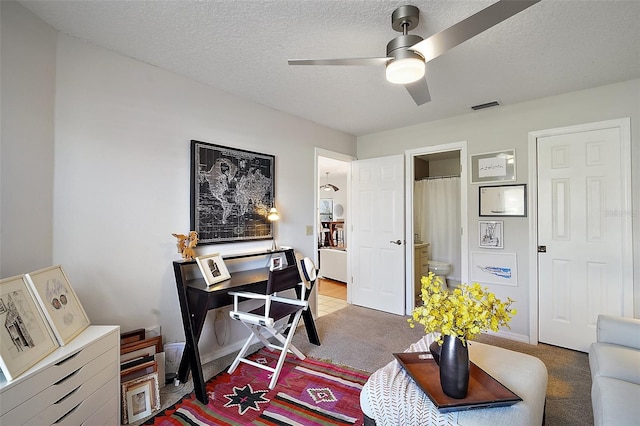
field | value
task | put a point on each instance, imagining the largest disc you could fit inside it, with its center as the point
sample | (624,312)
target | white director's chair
(276,307)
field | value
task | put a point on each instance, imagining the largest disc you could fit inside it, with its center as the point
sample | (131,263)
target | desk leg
(310,326)
(307,317)
(191,356)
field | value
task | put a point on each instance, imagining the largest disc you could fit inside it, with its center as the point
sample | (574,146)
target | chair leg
(244,349)
(255,331)
(285,349)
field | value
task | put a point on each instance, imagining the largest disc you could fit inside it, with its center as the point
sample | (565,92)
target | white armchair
(614,360)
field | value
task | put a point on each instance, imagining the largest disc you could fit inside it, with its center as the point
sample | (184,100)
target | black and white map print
(233,191)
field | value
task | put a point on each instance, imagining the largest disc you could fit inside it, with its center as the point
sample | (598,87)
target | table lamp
(273,216)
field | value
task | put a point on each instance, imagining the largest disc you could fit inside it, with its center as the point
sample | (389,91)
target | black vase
(454,367)
(434,348)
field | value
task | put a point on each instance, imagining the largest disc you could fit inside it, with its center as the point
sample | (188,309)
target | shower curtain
(436,219)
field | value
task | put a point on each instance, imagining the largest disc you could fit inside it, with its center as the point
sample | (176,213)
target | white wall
(123,131)
(120,187)
(26,147)
(508,127)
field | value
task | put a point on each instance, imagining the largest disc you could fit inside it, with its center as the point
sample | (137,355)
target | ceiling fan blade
(340,61)
(439,43)
(419,91)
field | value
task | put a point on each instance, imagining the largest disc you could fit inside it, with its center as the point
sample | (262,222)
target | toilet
(440,269)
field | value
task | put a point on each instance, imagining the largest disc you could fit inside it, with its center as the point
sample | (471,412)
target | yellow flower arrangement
(464,313)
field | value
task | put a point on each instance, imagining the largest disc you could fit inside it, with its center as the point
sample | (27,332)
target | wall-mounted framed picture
(490,234)
(213,268)
(495,166)
(326,209)
(59,303)
(503,200)
(494,268)
(232,191)
(25,335)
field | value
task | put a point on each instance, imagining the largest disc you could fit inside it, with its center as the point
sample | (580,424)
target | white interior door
(377,238)
(581,203)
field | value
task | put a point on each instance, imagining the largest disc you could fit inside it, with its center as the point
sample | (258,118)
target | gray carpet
(366,339)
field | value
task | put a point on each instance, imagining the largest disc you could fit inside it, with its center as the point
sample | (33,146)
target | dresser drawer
(33,406)
(84,413)
(58,366)
(107,415)
(72,401)
(70,385)
(422,252)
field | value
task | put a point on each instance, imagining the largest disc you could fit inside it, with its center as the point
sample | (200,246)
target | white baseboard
(523,338)
(223,351)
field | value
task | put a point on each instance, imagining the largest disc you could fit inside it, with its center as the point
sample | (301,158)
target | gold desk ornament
(186,244)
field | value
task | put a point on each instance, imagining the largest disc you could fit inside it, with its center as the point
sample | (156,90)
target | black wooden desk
(196,299)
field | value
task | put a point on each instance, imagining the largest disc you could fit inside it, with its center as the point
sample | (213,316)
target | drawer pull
(61,419)
(70,357)
(67,395)
(65,378)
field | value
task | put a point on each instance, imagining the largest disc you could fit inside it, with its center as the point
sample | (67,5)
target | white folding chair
(275,308)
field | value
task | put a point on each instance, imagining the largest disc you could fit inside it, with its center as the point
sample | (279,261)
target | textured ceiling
(242,47)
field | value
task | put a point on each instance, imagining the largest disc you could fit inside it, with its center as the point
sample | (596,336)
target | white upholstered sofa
(614,360)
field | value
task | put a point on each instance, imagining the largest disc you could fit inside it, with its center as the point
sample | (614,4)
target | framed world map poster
(232,191)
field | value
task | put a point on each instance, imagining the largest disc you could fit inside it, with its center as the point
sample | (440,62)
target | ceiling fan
(408,53)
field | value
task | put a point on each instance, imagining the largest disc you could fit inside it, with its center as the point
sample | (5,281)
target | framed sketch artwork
(496,166)
(213,268)
(494,268)
(490,234)
(232,191)
(59,303)
(25,335)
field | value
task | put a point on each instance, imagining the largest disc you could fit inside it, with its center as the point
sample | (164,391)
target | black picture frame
(232,191)
(502,201)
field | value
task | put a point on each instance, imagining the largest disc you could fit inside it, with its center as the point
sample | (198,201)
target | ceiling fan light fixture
(405,70)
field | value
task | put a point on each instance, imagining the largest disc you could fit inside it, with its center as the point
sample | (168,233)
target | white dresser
(78,384)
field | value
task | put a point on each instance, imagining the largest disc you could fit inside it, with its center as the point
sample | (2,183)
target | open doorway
(436,217)
(332,240)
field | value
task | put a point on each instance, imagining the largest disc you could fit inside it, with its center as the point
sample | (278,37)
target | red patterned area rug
(308,392)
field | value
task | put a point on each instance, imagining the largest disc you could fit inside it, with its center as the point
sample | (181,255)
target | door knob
(542,249)
(397,242)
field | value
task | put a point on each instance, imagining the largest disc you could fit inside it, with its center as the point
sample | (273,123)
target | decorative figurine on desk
(186,244)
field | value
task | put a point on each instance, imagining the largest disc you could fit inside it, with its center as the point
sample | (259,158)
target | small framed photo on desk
(276,262)
(213,268)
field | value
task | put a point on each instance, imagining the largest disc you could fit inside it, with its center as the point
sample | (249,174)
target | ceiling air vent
(487,105)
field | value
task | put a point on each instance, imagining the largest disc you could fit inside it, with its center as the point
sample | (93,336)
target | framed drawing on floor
(25,335)
(59,303)
(232,191)
(140,398)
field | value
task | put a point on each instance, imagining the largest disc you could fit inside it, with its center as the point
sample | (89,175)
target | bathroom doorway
(437,198)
